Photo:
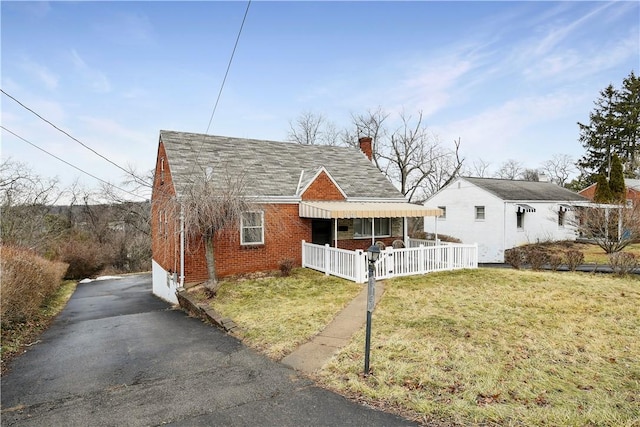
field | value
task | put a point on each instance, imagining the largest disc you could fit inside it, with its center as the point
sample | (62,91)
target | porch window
(252,228)
(479,213)
(362,227)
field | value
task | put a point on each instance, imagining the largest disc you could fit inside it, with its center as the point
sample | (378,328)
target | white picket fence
(352,265)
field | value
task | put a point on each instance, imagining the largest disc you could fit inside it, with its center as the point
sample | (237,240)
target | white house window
(252,228)
(561,213)
(362,227)
(520,220)
(444,212)
(479,213)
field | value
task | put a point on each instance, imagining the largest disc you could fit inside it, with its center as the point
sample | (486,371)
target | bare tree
(25,201)
(372,124)
(313,128)
(414,158)
(479,168)
(511,169)
(210,208)
(612,227)
(559,168)
(530,175)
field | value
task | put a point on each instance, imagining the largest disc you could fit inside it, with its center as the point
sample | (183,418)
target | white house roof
(515,190)
(273,169)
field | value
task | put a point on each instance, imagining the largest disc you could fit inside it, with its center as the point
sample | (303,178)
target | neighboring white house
(500,214)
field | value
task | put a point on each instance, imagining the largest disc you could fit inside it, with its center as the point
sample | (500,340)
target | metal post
(370,303)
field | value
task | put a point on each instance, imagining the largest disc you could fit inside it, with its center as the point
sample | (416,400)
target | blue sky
(510,79)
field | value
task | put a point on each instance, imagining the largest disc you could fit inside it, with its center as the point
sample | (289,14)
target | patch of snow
(99,278)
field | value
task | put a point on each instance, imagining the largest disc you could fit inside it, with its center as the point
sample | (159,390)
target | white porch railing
(352,265)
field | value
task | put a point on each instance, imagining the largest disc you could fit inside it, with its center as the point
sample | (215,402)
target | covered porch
(367,222)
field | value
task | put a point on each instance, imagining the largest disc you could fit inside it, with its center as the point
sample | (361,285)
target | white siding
(164,285)
(499,230)
(460,201)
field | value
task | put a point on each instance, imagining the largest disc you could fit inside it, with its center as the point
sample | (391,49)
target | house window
(362,227)
(479,213)
(162,170)
(520,220)
(444,212)
(561,217)
(252,228)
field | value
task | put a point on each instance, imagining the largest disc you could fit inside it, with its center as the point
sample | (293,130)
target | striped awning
(565,208)
(332,210)
(525,208)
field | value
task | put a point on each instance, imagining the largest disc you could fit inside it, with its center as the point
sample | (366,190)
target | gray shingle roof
(513,190)
(272,169)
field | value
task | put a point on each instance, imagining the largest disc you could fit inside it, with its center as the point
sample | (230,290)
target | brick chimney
(365,146)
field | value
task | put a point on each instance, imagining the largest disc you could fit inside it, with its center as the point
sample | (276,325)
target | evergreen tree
(616,182)
(603,192)
(613,128)
(628,110)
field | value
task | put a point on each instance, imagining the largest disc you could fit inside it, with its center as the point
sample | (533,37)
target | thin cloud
(94,78)
(41,73)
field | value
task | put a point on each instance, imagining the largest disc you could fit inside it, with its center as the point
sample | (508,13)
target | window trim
(444,213)
(561,218)
(243,228)
(477,212)
(520,220)
(368,235)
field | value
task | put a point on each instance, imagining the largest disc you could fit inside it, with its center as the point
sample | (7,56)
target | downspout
(181,247)
(504,229)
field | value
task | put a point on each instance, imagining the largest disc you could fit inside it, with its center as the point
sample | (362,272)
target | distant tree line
(111,237)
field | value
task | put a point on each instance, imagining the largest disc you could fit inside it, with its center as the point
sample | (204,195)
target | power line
(69,164)
(215,107)
(224,80)
(72,137)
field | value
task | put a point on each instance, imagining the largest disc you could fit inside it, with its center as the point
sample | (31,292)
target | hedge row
(26,281)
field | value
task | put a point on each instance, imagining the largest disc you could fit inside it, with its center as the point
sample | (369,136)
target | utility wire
(69,164)
(215,107)
(224,80)
(73,138)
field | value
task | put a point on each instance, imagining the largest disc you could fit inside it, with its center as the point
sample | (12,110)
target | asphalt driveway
(119,356)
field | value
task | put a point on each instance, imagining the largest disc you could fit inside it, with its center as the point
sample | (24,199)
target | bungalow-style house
(319,194)
(500,214)
(633,192)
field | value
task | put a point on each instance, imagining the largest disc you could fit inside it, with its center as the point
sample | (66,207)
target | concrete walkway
(312,355)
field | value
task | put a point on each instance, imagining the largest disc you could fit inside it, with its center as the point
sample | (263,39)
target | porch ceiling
(332,210)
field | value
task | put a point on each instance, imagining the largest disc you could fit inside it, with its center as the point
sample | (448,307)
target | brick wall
(165,227)
(322,188)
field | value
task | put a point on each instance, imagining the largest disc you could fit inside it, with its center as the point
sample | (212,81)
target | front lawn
(468,347)
(502,346)
(278,314)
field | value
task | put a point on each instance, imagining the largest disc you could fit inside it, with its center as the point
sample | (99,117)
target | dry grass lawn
(502,346)
(278,314)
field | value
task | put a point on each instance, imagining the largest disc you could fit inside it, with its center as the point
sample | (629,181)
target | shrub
(26,281)
(574,259)
(623,262)
(536,257)
(514,257)
(84,258)
(555,261)
(286,265)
